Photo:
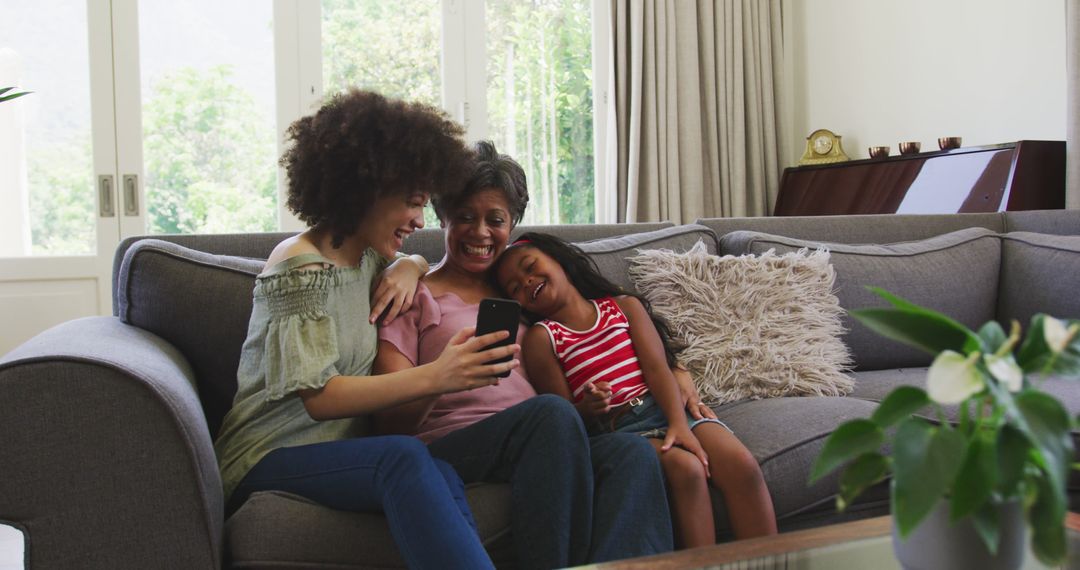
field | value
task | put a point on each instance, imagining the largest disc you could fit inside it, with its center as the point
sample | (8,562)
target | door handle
(106,208)
(131,195)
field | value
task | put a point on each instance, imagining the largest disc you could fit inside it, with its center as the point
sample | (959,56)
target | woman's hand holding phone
(463,364)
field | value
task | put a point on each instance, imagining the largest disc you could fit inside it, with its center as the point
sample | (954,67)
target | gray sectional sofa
(106,458)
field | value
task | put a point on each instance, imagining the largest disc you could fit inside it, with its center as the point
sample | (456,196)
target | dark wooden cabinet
(1025,175)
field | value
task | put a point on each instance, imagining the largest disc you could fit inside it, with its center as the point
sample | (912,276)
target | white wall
(878,72)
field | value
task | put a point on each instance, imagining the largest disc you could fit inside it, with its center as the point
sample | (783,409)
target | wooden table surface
(771,545)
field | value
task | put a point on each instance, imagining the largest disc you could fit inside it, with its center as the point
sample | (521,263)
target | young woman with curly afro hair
(360,170)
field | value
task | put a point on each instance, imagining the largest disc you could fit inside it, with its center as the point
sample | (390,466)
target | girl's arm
(658,377)
(396,286)
(690,395)
(547,376)
(459,367)
(405,418)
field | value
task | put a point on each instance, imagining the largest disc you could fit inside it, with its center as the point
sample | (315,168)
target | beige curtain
(1072,115)
(697,108)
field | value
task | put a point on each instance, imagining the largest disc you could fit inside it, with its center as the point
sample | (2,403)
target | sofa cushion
(752,326)
(198,302)
(955,273)
(1038,275)
(320,537)
(612,255)
(786,435)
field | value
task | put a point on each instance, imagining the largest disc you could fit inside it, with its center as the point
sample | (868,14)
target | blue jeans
(423,498)
(646,419)
(574,499)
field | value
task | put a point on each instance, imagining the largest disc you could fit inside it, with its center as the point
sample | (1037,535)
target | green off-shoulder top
(306,327)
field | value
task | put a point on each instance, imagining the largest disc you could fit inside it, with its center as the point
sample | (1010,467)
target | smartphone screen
(499,315)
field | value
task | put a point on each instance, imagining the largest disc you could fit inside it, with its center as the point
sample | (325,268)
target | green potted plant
(7,95)
(1007,448)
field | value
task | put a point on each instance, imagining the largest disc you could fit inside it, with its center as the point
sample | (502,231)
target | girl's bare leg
(738,476)
(688,489)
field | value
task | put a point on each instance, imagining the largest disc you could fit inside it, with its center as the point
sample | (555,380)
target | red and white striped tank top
(603,353)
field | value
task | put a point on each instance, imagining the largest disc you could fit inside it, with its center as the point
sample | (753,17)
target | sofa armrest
(105,457)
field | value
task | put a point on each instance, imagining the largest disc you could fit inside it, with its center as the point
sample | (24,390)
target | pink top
(421,334)
(602,353)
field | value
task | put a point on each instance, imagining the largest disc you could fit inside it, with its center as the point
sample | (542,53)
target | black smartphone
(499,315)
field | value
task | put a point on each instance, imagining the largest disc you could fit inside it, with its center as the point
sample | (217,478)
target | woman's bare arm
(459,367)
(405,418)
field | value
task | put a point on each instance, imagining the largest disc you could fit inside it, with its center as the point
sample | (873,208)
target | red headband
(522,241)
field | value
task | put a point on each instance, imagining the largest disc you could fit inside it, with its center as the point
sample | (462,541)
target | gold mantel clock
(823,147)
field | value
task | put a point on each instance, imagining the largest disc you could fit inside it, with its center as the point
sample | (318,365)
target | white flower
(1006,370)
(1055,333)
(953,378)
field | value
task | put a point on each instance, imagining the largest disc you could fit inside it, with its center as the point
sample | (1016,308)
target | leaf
(925,330)
(976,479)
(895,300)
(993,336)
(851,439)
(1012,450)
(987,523)
(14,96)
(1034,347)
(1048,426)
(925,462)
(866,470)
(1047,518)
(899,405)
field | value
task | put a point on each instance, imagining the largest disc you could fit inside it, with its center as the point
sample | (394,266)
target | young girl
(601,349)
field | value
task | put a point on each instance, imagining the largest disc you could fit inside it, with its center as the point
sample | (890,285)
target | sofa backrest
(200,300)
(612,254)
(892,228)
(1056,222)
(1039,274)
(876,228)
(427,242)
(956,273)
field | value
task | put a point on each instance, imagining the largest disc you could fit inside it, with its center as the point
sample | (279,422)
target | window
(46,170)
(527,85)
(207,73)
(389,47)
(539,101)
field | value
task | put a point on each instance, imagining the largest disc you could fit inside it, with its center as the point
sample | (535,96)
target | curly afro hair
(491,170)
(360,147)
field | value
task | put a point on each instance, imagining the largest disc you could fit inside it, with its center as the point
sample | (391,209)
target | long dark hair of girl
(583,274)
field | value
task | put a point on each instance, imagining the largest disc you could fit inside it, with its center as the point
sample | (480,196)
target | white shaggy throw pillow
(754,326)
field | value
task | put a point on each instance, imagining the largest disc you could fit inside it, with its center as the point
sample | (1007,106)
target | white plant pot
(936,543)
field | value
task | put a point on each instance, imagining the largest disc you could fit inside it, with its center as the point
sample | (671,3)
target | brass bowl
(909,147)
(948,143)
(878,151)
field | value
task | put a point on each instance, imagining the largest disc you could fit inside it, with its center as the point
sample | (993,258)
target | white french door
(147,116)
(59,175)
